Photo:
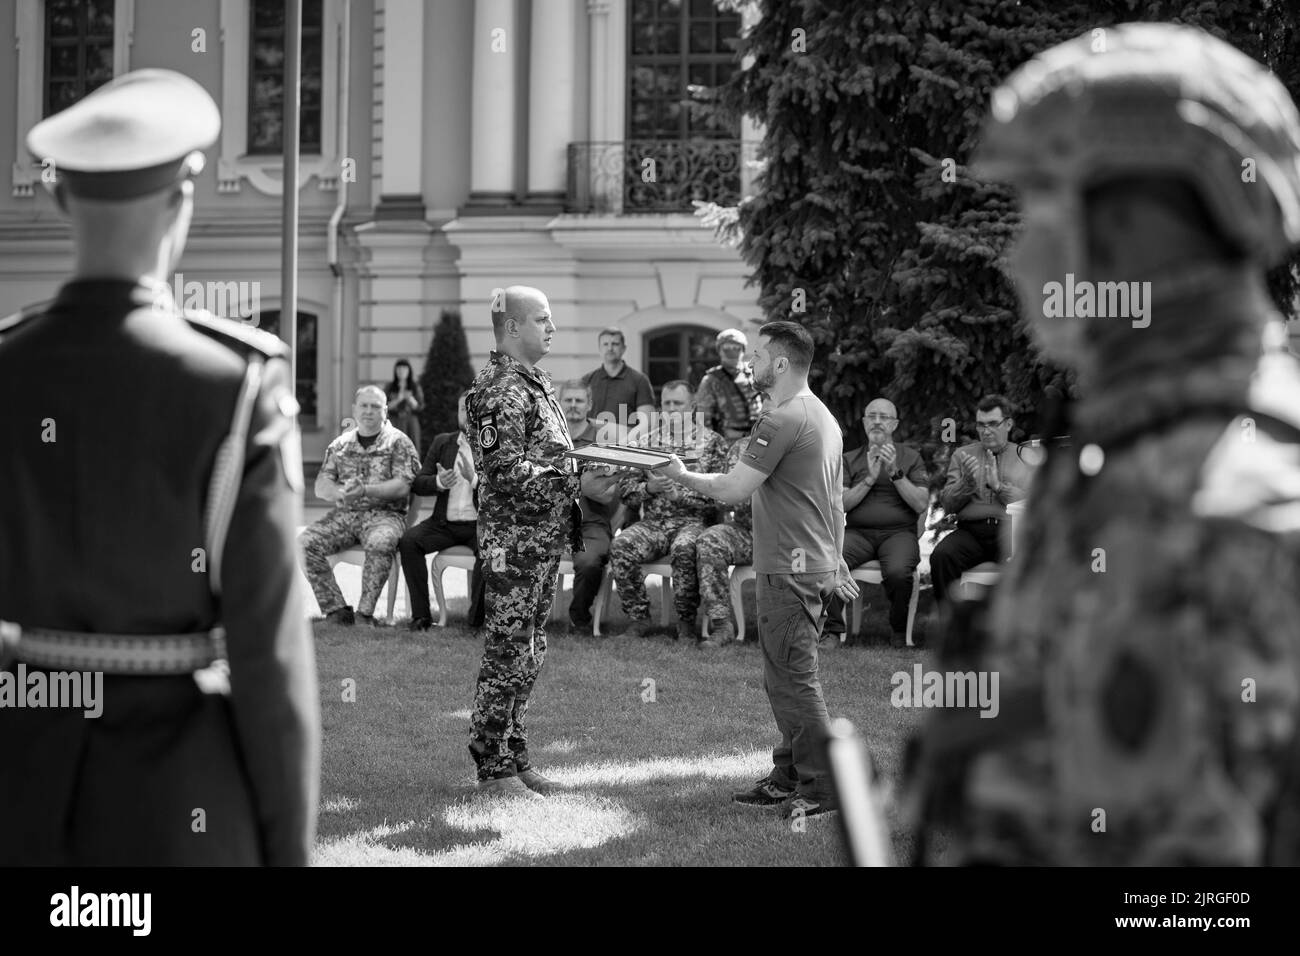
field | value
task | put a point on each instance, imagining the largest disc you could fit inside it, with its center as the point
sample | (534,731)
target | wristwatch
(896,474)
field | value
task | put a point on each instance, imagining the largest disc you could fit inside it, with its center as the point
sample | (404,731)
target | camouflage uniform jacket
(1151,618)
(729,402)
(519,436)
(391,456)
(678,501)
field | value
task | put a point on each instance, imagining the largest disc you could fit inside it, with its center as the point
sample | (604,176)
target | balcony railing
(655,176)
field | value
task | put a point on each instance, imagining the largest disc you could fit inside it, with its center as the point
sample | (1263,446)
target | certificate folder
(624,456)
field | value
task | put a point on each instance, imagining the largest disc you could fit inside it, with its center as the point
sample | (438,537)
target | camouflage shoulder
(11,323)
(504,391)
(242,338)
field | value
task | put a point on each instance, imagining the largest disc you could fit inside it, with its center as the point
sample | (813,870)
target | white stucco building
(449,148)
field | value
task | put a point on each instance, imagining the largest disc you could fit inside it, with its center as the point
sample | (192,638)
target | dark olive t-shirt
(799,509)
(883,508)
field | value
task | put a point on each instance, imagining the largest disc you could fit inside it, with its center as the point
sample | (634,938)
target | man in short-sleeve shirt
(793,470)
(619,393)
(886,489)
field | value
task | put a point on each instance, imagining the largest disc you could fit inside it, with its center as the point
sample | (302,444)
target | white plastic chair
(457,556)
(872,573)
(357,557)
(740,573)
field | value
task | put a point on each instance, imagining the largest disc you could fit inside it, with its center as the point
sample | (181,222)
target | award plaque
(622,456)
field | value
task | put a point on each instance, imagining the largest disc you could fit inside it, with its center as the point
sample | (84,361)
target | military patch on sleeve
(487,431)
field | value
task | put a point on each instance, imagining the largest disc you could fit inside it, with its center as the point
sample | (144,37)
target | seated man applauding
(449,474)
(367,474)
(886,488)
(983,478)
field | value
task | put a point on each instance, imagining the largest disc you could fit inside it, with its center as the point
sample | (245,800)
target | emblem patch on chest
(487,431)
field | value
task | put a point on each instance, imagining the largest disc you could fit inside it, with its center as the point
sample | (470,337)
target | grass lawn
(648,781)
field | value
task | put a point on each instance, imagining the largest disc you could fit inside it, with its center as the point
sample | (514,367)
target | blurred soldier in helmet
(727,400)
(1147,636)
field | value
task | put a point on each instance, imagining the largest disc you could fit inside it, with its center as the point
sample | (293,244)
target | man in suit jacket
(449,473)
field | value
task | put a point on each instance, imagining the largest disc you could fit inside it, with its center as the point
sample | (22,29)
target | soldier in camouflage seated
(367,475)
(672,516)
(1147,634)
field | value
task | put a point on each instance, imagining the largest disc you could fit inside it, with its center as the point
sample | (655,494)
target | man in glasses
(983,478)
(885,488)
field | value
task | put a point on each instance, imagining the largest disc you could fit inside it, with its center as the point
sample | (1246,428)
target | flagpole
(289,203)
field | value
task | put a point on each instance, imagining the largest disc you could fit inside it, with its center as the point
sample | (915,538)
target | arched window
(306,384)
(679,351)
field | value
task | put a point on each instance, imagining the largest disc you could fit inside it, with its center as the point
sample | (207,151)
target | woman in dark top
(404,401)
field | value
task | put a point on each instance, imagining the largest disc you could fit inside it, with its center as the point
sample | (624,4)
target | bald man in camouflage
(1147,633)
(527,512)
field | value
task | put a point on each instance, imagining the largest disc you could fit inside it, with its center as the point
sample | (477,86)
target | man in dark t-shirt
(793,470)
(886,488)
(620,395)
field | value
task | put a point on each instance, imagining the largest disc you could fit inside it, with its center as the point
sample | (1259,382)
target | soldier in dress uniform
(528,511)
(1147,634)
(151,498)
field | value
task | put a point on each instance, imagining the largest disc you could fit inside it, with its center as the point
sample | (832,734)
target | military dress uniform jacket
(115,408)
(528,489)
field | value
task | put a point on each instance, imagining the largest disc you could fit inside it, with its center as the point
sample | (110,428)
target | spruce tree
(865,225)
(447,371)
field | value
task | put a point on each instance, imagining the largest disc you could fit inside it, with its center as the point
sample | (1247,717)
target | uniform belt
(962,521)
(139,654)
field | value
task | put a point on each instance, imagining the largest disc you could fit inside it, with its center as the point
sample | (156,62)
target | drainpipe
(336,218)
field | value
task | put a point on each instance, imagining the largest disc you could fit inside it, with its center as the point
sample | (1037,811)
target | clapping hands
(353,489)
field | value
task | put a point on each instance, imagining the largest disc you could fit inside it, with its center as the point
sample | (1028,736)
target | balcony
(616,177)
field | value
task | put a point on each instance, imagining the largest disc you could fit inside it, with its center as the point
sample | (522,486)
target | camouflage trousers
(377,531)
(518,594)
(649,541)
(717,549)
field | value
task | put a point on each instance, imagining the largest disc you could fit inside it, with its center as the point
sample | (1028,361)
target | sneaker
(535,782)
(510,786)
(766,793)
(705,642)
(638,629)
(341,615)
(898,639)
(420,624)
(686,631)
(801,806)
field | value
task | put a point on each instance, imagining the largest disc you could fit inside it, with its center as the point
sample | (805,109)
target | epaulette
(238,336)
(11,322)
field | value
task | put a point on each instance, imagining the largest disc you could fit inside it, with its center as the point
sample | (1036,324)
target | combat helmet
(1155,98)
